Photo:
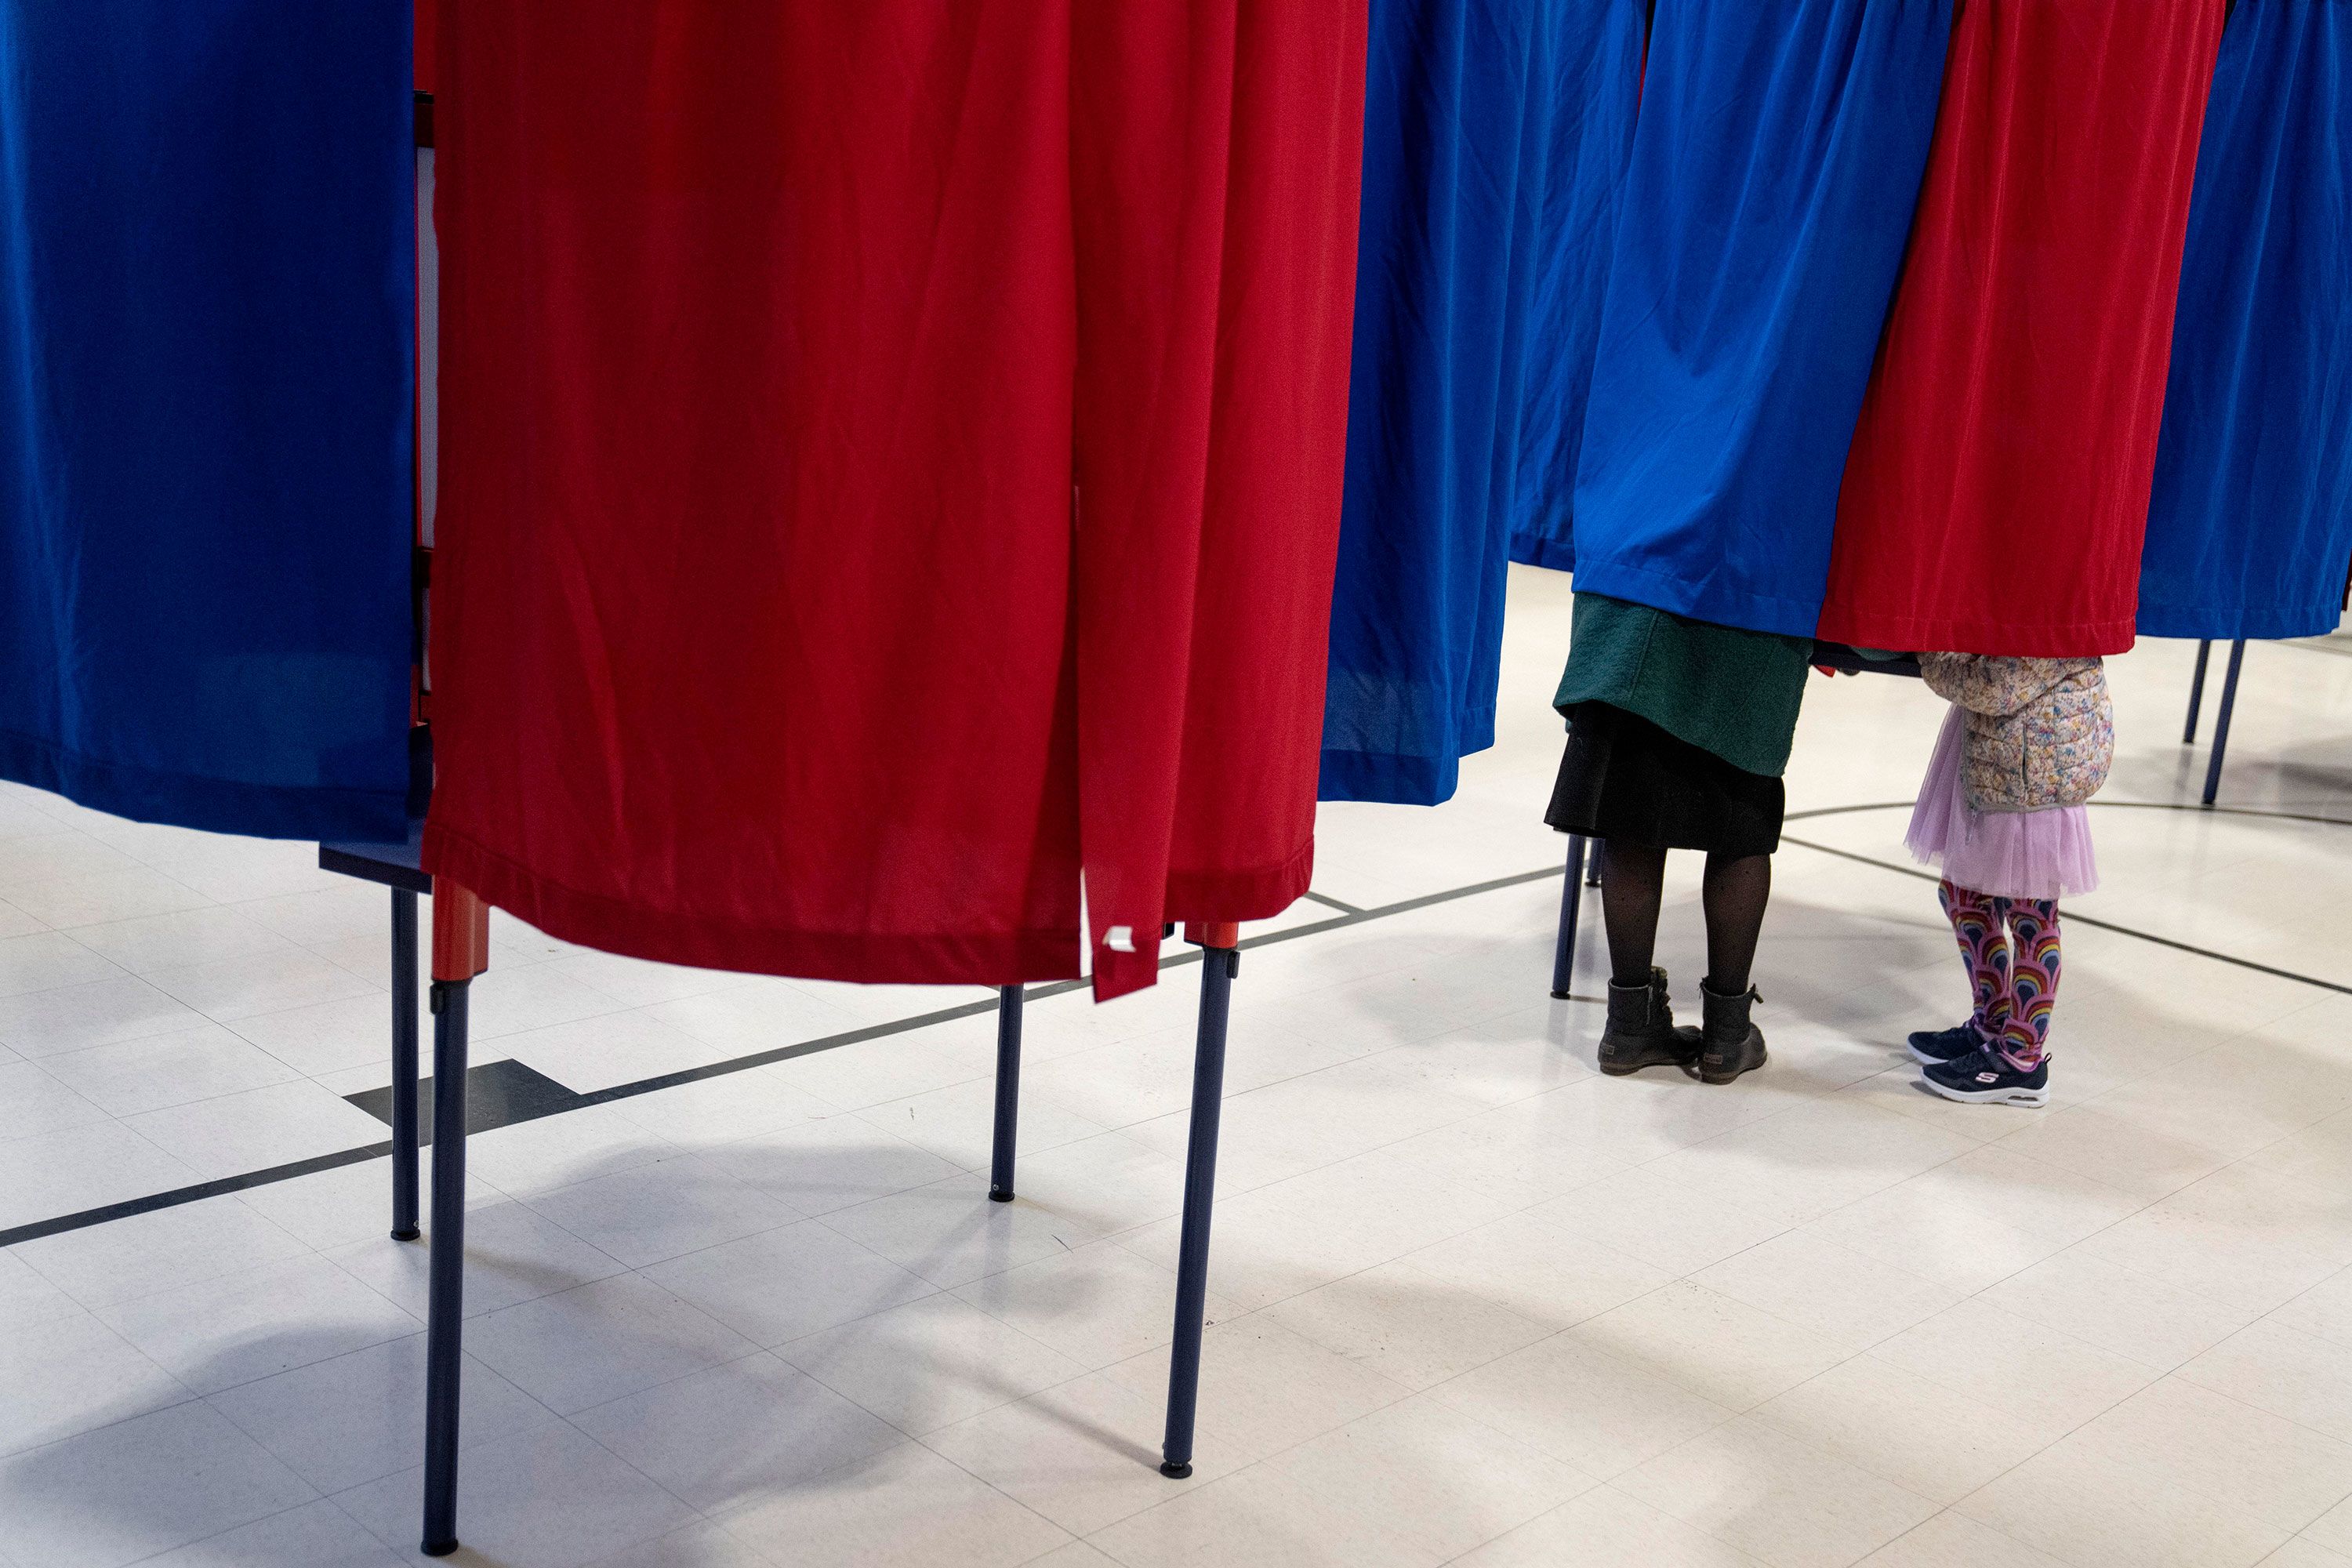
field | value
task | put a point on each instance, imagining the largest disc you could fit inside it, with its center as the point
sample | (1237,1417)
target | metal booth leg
(1571,904)
(461,940)
(403,1065)
(2222,720)
(1009,1001)
(2196,691)
(1220,963)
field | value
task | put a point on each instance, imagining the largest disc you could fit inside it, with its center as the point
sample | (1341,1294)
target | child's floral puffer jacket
(2042,731)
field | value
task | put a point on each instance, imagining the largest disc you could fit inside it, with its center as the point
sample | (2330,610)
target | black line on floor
(534,1110)
(2073,918)
(1332,903)
(528,1108)
(2192,809)
(129,1207)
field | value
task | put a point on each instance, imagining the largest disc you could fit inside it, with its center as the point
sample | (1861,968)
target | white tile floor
(1471,1303)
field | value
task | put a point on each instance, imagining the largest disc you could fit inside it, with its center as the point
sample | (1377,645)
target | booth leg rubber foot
(1561,996)
(1175,1472)
(438,1548)
(411,1234)
(999,1195)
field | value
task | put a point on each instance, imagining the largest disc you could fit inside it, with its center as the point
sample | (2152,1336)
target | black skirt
(1623,778)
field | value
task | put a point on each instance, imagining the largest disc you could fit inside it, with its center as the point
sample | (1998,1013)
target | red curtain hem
(611,925)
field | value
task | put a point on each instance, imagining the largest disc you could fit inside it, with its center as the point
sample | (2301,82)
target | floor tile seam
(1406,1259)
(651,1479)
(2096,923)
(725,1515)
(204,900)
(2145,1204)
(94,1308)
(1108,1525)
(545,1417)
(1743,1560)
(293,1075)
(376,976)
(2199,1290)
(2342,1340)
(1780,1424)
(314,1255)
(1719,1396)
(1814,1449)
(119,973)
(248,1524)
(1405,1394)
(1343,1503)
(122,1122)
(571,1418)
(206,1396)
(930,1291)
(2159,1481)
(1953,1509)
(2251,1408)
(9,1456)
(1815,1102)
(2156,1370)
(10,1451)
(918,1273)
(621,1267)
(1068,1535)
(1575,1334)
(2182,1372)
(1957,1296)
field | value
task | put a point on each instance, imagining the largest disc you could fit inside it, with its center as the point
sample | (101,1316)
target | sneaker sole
(2031,1097)
(1923,1060)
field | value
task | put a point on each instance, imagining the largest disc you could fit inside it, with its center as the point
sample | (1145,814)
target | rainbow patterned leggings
(2011,946)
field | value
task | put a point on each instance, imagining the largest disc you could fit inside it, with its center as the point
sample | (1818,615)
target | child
(2026,743)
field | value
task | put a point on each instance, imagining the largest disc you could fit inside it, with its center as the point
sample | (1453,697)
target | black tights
(1632,885)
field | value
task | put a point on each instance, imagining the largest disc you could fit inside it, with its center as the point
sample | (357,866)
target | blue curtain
(206,347)
(2250,531)
(1775,172)
(1591,143)
(1468,106)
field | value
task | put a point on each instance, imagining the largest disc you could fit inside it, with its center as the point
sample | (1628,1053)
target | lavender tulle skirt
(2040,853)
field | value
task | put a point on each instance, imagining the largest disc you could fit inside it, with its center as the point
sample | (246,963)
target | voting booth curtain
(206,341)
(1773,180)
(2250,533)
(1466,106)
(1997,494)
(890,468)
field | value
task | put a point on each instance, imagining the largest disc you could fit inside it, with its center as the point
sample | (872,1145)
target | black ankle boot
(1641,1032)
(1730,1045)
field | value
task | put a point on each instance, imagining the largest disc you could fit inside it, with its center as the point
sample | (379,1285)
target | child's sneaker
(1933,1048)
(1988,1078)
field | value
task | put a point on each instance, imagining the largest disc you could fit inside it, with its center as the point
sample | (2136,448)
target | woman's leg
(2033,981)
(1632,884)
(1734,895)
(1978,923)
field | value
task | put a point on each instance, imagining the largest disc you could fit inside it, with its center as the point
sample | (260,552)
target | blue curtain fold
(2250,529)
(1776,170)
(1600,75)
(1474,111)
(208,345)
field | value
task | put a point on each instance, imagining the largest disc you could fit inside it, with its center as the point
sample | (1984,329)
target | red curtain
(777,340)
(1998,487)
(1217,214)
